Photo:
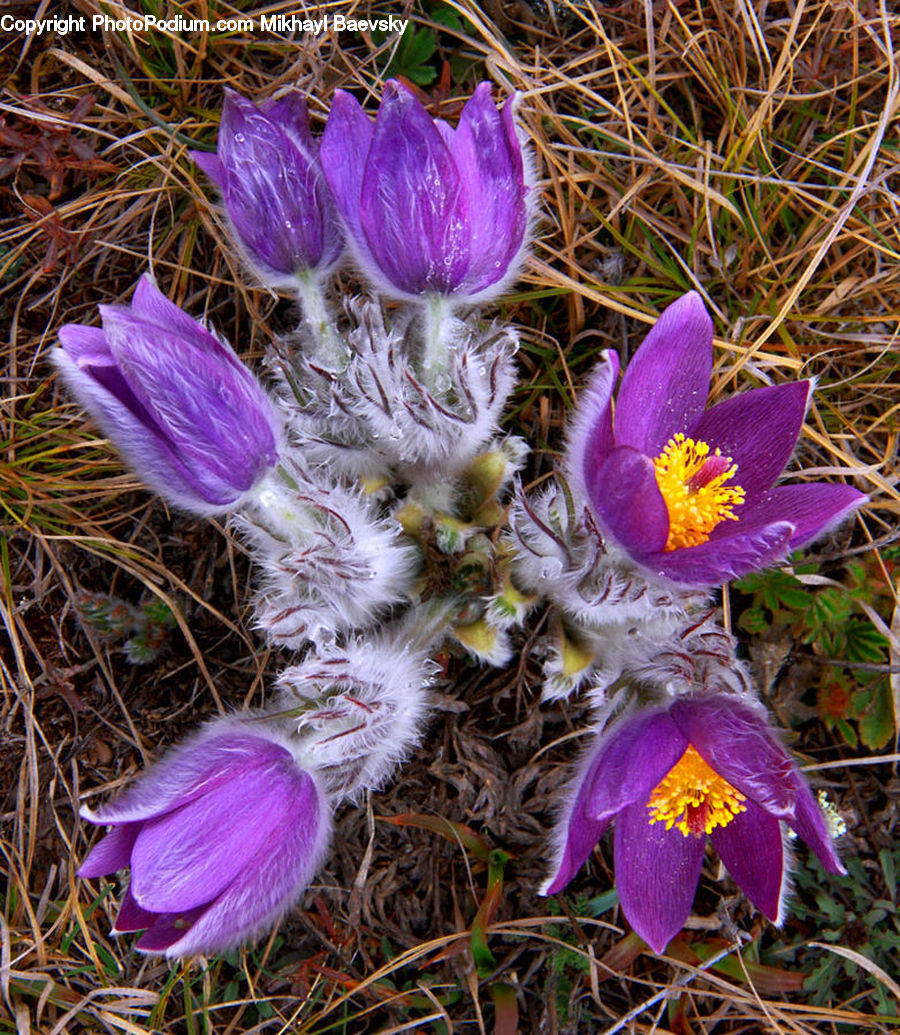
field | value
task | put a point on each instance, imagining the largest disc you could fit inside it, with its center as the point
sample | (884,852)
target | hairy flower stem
(330,347)
(435,353)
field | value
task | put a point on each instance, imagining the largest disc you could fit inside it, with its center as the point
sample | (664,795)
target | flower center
(692,483)
(693,797)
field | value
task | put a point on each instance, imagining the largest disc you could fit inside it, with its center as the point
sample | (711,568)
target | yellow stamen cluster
(696,501)
(693,797)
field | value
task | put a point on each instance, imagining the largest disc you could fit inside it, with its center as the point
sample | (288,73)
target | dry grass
(745,148)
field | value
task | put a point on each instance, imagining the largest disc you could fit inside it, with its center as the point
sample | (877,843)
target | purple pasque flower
(688,492)
(177,402)
(429,209)
(670,777)
(267,166)
(222,835)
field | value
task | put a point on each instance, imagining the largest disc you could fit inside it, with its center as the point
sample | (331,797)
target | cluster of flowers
(379,500)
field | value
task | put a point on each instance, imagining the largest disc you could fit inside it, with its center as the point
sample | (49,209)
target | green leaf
(864,642)
(876,723)
(754,620)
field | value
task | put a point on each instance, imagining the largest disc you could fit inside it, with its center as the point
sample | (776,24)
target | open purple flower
(181,407)
(222,836)
(668,778)
(429,209)
(688,492)
(267,167)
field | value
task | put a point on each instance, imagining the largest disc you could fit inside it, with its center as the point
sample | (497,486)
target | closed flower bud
(429,209)
(183,410)
(222,836)
(279,206)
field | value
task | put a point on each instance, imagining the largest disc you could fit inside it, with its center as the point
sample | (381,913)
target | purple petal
(292,115)
(627,498)
(740,746)
(214,414)
(281,871)
(86,345)
(724,558)
(112,853)
(211,165)
(279,206)
(809,824)
(103,392)
(189,856)
(666,384)
(168,928)
(590,437)
(657,872)
(489,160)
(757,429)
(810,508)
(131,917)
(151,306)
(752,849)
(629,760)
(215,756)
(412,207)
(582,833)
(343,152)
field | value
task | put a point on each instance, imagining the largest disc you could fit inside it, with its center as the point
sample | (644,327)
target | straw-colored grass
(744,148)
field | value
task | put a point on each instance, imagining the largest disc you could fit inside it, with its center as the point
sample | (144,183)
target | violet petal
(657,872)
(287,859)
(198,766)
(666,384)
(490,167)
(343,152)
(412,209)
(191,855)
(210,164)
(124,419)
(291,113)
(725,558)
(131,917)
(169,928)
(757,429)
(809,824)
(628,761)
(582,833)
(741,747)
(590,436)
(811,508)
(86,345)
(151,306)
(752,850)
(276,198)
(111,853)
(220,422)
(627,498)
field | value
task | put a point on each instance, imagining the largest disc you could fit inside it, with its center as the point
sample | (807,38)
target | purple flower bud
(688,492)
(181,407)
(429,209)
(222,836)
(705,766)
(267,166)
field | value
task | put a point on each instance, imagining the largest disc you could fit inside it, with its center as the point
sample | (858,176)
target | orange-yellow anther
(692,482)
(693,798)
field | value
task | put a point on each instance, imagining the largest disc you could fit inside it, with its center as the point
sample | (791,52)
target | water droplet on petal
(239,138)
